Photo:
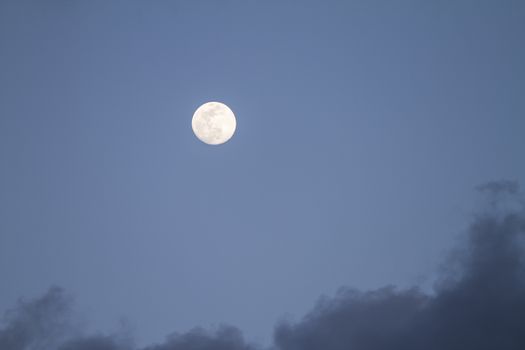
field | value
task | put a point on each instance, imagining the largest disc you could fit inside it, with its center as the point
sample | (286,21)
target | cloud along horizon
(477,303)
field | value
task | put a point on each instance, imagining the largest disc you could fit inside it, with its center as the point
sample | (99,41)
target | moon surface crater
(214,123)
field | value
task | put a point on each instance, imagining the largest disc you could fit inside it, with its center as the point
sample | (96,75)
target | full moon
(213,123)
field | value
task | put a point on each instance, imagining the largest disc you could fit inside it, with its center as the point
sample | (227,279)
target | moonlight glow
(213,123)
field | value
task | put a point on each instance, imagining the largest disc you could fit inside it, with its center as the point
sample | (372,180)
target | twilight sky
(363,129)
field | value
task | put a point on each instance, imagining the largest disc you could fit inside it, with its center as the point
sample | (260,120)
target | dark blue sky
(362,129)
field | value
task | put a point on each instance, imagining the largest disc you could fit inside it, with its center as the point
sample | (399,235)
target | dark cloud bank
(478,303)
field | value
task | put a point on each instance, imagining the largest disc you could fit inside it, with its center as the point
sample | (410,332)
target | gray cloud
(478,303)
(479,306)
(39,324)
(225,338)
(499,187)
(46,323)
(94,343)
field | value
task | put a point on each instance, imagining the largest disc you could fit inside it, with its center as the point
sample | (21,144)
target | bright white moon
(213,123)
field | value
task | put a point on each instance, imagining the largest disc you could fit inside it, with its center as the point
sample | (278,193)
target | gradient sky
(362,129)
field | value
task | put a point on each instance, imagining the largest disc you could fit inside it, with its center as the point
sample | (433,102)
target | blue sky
(362,129)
